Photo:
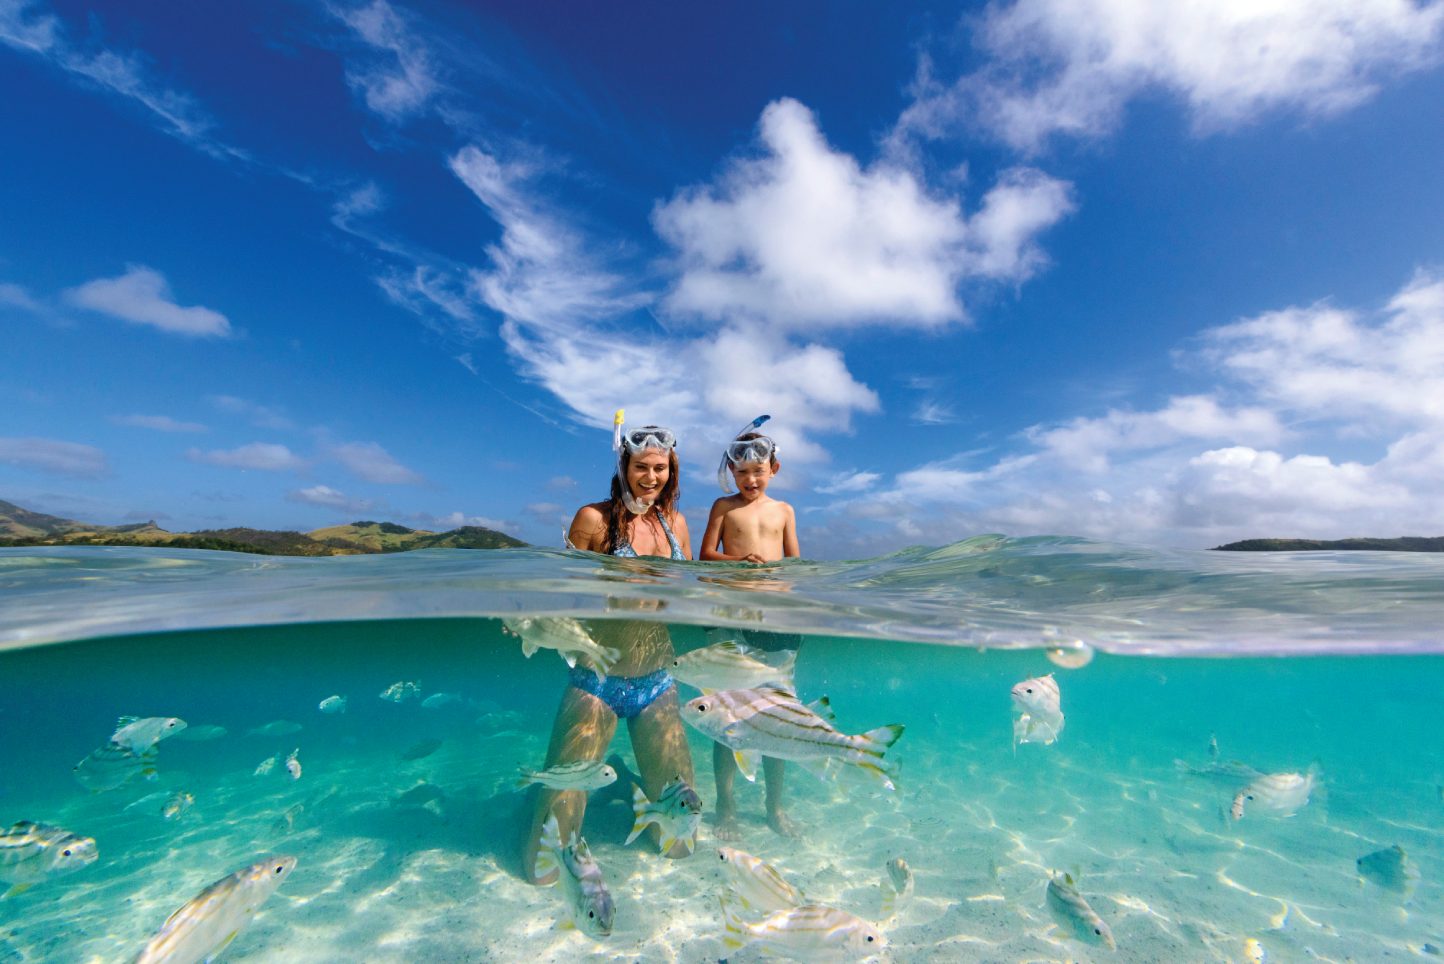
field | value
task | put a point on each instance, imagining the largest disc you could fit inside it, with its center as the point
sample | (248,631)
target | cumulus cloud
(324,495)
(142,296)
(265,456)
(54,457)
(803,236)
(853,481)
(371,462)
(158,423)
(397,80)
(1071,66)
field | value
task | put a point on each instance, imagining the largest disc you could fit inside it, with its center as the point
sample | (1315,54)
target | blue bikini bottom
(627,696)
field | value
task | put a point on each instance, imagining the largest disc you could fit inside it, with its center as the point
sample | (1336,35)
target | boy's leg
(659,741)
(583,730)
(776,819)
(724,771)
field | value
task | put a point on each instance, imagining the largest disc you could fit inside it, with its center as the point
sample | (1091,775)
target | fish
(275,728)
(812,932)
(730,665)
(332,704)
(755,882)
(1039,705)
(293,764)
(1282,794)
(401,692)
(207,924)
(565,635)
(421,749)
(897,886)
(202,733)
(32,852)
(286,822)
(581,775)
(267,765)
(138,735)
(770,721)
(1076,656)
(152,802)
(177,805)
(1390,868)
(112,766)
(1073,914)
(438,701)
(677,814)
(589,903)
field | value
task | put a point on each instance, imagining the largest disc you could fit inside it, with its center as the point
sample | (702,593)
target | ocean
(1193,685)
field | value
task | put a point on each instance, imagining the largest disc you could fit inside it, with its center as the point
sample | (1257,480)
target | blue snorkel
(724,477)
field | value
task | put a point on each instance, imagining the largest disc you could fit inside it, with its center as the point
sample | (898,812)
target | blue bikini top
(625,550)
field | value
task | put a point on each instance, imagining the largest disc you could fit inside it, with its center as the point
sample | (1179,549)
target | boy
(750,526)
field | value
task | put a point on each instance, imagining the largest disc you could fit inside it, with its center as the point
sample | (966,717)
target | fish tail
(526,779)
(610,655)
(886,773)
(528,648)
(640,803)
(733,935)
(878,741)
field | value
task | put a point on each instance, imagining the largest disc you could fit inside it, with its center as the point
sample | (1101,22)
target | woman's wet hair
(617,511)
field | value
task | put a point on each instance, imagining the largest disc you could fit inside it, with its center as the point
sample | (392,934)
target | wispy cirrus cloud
(394,72)
(158,423)
(142,296)
(55,457)
(372,463)
(262,456)
(15,296)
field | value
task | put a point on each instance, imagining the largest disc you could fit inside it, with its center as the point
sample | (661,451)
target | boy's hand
(753,557)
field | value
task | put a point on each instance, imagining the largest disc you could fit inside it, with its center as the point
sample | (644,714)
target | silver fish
(755,882)
(897,886)
(730,665)
(812,932)
(138,735)
(565,635)
(1074,915)
(421,749)
(112,766)
(400,692)
(1281,794)
(206,925)
(31,852)
(437,701)
(275,728)
(177,805)
(677,814)
(332,704)
(1039,706)
(202,733)
(1390,868)
(770,721)
(589,903)
(581,775)
(293,764)
(267,765)
(286,822)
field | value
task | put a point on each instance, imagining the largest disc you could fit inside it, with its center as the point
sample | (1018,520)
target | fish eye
(870,938)
(279,868)
(722,857)
(591,913)
(701,707)
(1098,931)
(1028,690)
(65,853)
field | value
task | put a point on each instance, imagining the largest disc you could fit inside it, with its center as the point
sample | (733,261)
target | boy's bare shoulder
(727,503)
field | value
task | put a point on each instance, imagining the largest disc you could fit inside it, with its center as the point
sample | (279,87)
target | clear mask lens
(752,450)
(649,437)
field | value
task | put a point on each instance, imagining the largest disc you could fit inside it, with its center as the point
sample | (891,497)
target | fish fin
(822,706)
(551,841)
(640,803)
(526,779)
(889,899)
(528,648)
(733,931)
(609,656)
(747,763)
(571,659)
(667,841)
(566,924)
(884,773)
(15,891)
(882,738)
(821,769)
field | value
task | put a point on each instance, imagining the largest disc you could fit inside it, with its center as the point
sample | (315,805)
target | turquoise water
(1323,663)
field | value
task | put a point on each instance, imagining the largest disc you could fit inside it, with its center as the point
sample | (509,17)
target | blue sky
(1157,273)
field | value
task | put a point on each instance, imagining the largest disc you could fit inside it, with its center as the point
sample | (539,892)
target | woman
(640,519)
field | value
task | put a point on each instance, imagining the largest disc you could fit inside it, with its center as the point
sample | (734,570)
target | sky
(1163,274)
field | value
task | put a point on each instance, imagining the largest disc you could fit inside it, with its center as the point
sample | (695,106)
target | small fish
(276,728)
(1390,868)
(439,701)
(138,735)
(1213,746)
(677,814)
(286,822)
(421,749)
(112,766)
(730,665)
(1281,794)
(589,903)
(419,796)
(770,721)
(565,635)
(1253,951)
(205,926)
(202,733)
(177,805)
(267,765)
(32,852)
(332,704)
(401,692)
(897,886)
(1074,915)
(293,764)
(1039,705)
(581,775)
(812,932)
(152,802)
(1076,656)
(755,882)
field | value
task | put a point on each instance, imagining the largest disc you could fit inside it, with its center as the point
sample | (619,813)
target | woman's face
(647,473)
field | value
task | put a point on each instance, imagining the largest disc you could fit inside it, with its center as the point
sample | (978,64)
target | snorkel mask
(635,442)
(741,450)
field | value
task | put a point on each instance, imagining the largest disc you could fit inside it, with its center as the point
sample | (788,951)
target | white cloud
(371,462)
(456,520)
(54,457)
(399,80)
(159,423)
(143,297)
(14,296)
(324,495)
(1071,66)
(266,456)
(855,480)
(804,237)
(261,416)
(933,413)
(561,483)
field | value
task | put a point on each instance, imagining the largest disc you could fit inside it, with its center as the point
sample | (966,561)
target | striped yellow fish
(770,721)
(677,814)
(732,665)
(1074,915)
(31,852)
(811,932)
(205,926)
(755,882)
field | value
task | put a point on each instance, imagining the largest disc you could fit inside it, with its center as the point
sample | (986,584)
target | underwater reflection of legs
(659,741)
(583,730)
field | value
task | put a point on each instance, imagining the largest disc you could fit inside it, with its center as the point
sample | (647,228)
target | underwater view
(1001,750)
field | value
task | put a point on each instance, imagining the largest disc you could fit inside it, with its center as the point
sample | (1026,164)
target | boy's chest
(755,520)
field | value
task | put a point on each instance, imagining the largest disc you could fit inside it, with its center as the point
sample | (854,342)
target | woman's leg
(724,772)
(583,730)
(660,742)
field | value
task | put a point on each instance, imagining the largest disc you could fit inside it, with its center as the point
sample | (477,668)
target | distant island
(22,527)
(1402,544)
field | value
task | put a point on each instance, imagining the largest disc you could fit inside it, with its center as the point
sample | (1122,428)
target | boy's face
(752,478)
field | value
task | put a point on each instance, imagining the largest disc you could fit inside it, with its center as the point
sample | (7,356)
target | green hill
(22,527)
(1401,544)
